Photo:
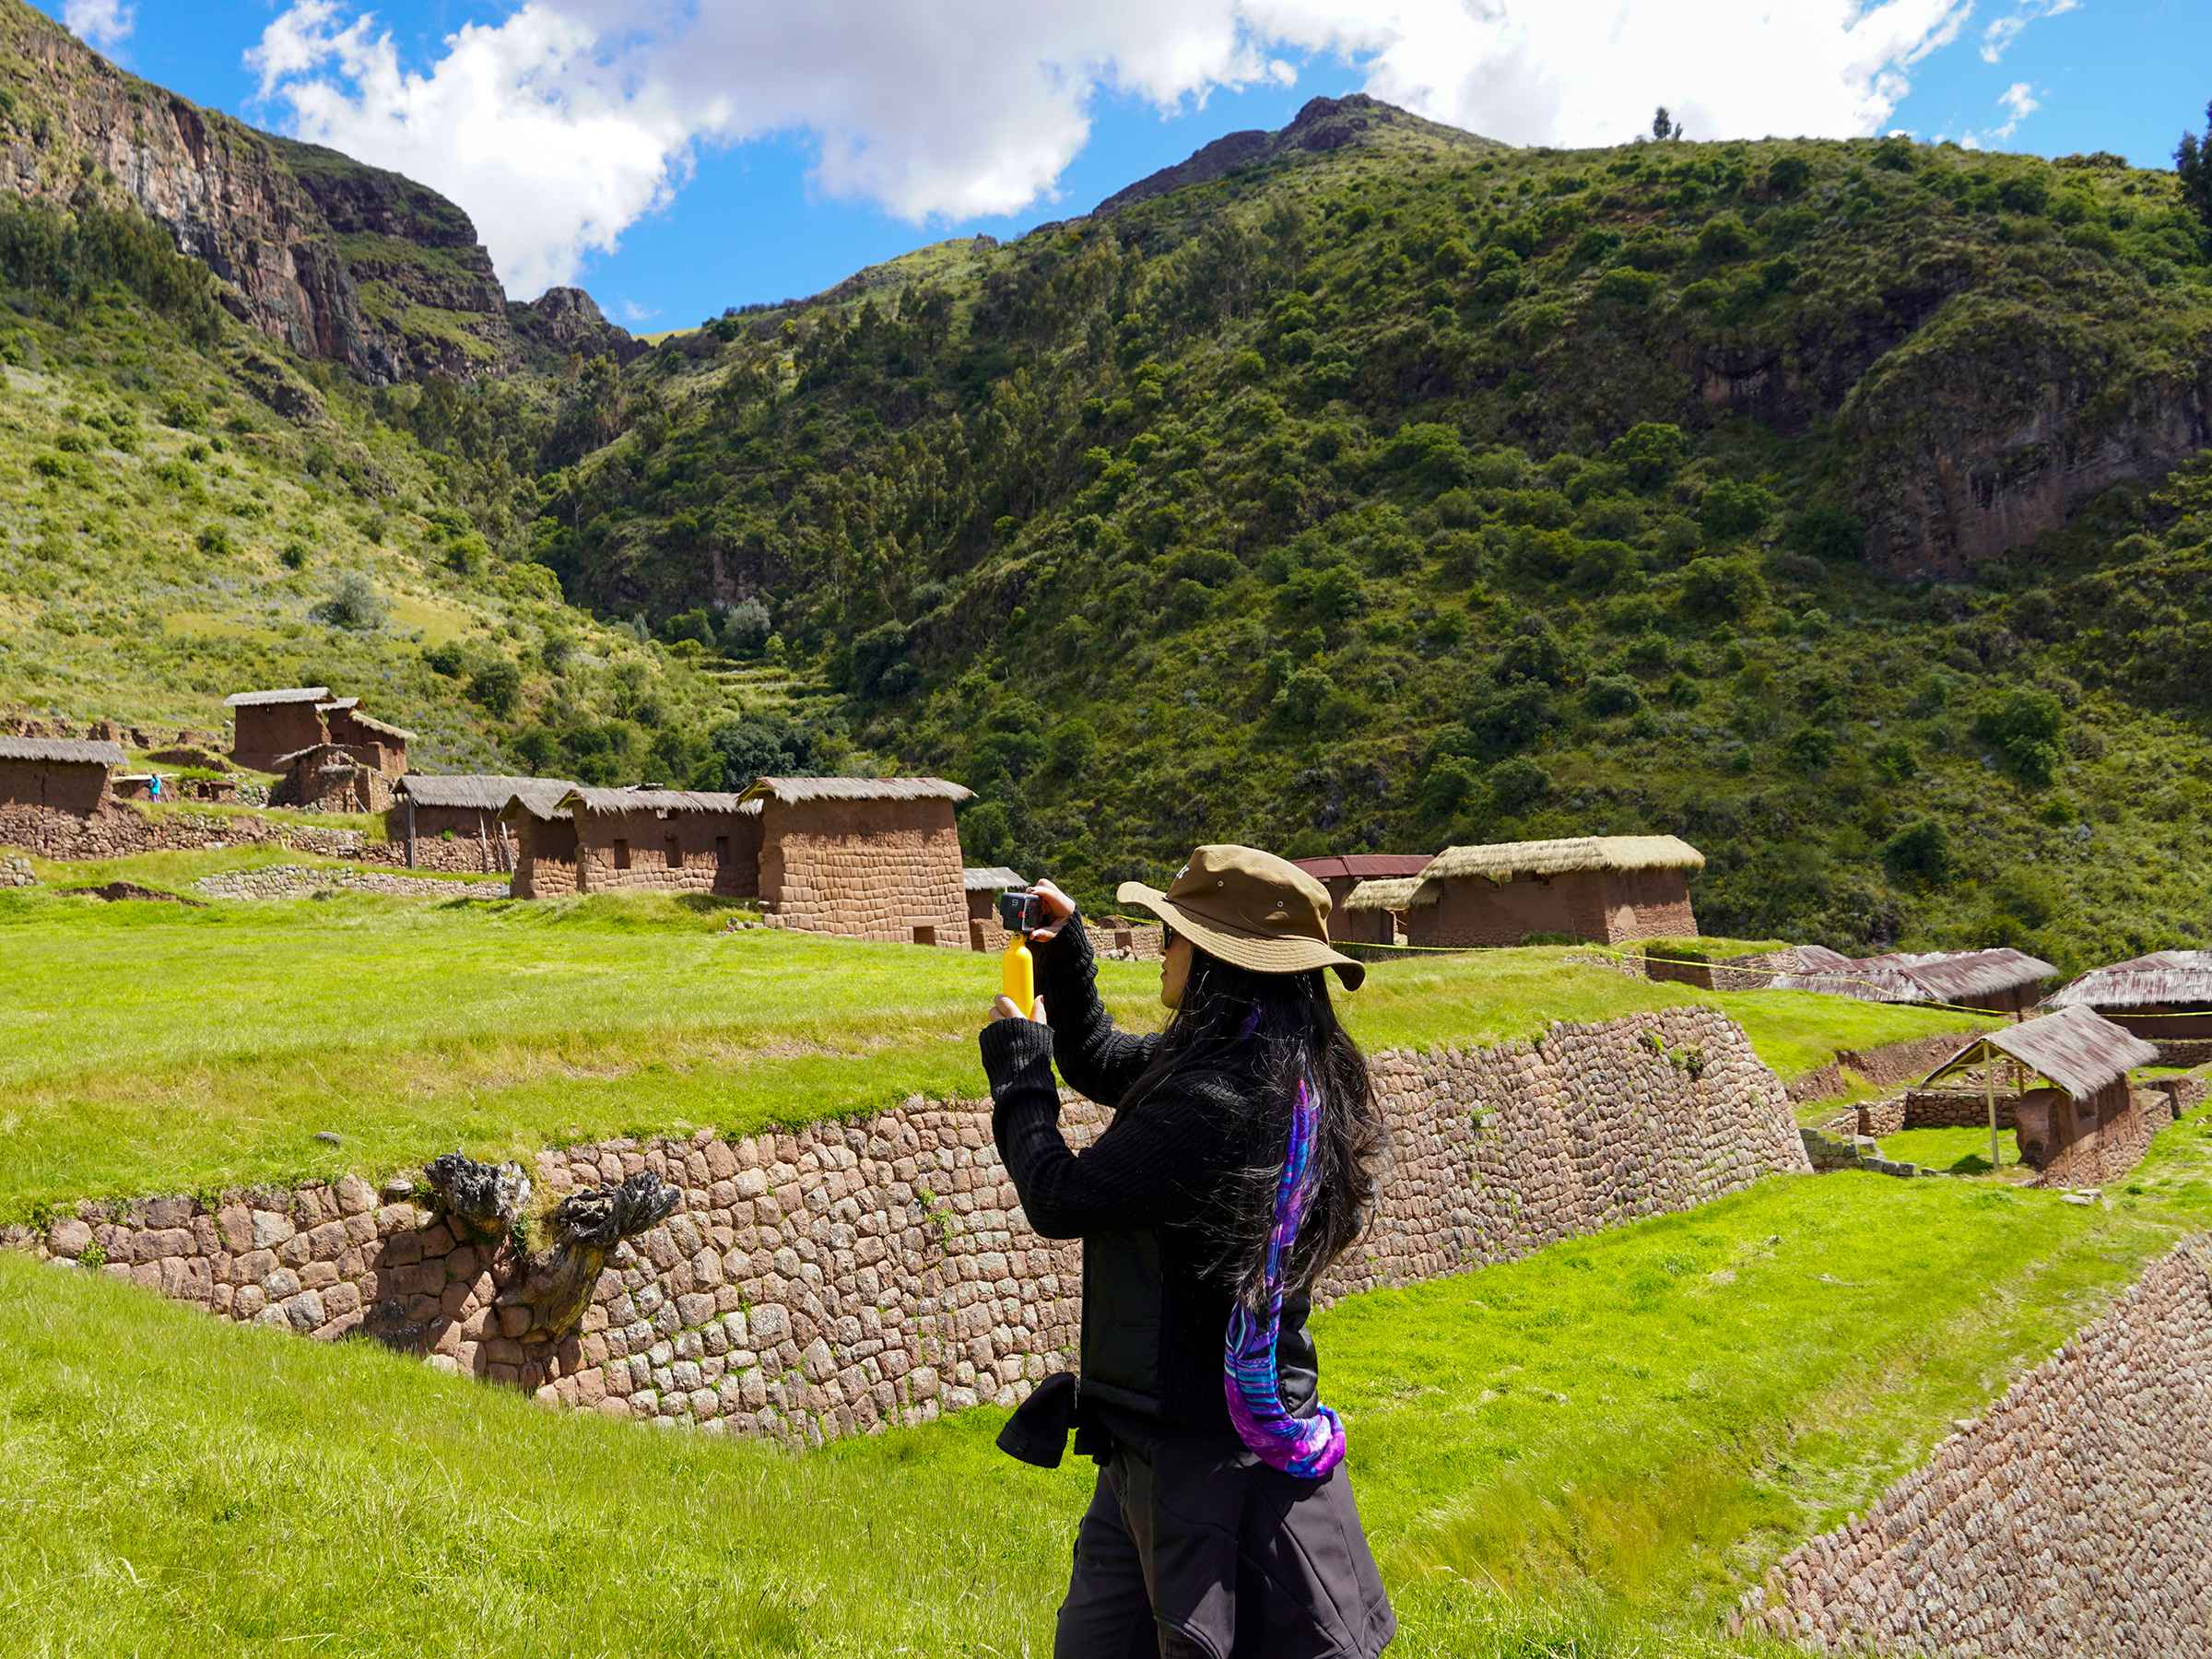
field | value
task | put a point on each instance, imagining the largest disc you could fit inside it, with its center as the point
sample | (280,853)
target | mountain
(1843,507)
(336,260)
(1838,505)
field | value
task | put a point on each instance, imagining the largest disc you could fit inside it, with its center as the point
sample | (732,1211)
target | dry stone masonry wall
(828,1280)
(308,881)
(2075,1517)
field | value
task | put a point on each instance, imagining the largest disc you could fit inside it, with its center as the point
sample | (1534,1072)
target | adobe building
(465,810)
(374,743)
(869,858)
(1373,913)
(2165,998)
(984,883)
(2082,1124)
(65,775)
(1610,889)
(662,841)
(1341,872)
(2000,981)
(269,725)
(544,836)
(331,777)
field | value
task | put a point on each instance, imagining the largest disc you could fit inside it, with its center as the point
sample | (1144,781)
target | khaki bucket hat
(1250,908)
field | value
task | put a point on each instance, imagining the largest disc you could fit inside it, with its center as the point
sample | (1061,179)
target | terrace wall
(2073,1517)
(1885,1068)
(117,832)
(833,1279)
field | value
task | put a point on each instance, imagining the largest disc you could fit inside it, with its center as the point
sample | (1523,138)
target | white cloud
(559,126)
(102,23)
(633,312)
(1997,39)
(2019,101)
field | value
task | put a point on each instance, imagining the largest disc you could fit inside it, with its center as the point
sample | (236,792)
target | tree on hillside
(2192,161)
(1665,128)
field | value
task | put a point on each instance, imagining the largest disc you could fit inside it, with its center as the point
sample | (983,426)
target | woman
(1237,1167)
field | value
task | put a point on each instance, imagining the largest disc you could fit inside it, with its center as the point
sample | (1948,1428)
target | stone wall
(1955,1108)
(826,1280)
(16,873)
(118,831)
(2074,1517)
(309,881)
(1887,1068)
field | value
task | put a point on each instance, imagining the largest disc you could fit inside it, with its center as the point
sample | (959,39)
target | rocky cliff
(336,259)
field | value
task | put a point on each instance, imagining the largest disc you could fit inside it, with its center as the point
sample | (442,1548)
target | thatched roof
(1509,861)
(385,726)
(652,800)
(792,791)
(1363,866)
(480,792)
(989,878)
(2164,979)
(256,700)
(338,705)
(1382,894)
(2077,1048)
(1968,978)
(61,751)
(299,755)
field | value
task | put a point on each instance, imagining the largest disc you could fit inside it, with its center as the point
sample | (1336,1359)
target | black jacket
(1140,1198)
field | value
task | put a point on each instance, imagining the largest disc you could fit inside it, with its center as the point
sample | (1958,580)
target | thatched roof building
(1609,889)
(1341,872)
(1999,981)
(875,858)
(2075,1050)
(477,792)
(2165,997)
(989,878)
(57,774)
(796,792)
(1384,894)
(2084,1122)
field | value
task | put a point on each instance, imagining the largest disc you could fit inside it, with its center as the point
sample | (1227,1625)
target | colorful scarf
(1306,1447)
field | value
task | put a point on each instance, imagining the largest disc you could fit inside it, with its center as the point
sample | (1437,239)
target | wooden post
(1989,1095)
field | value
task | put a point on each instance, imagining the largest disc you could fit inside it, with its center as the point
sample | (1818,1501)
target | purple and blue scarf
(1306,1447)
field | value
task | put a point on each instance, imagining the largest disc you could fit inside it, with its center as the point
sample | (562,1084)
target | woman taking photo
(1237,1167)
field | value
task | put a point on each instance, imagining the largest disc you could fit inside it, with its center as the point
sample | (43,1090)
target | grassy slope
(1583,1454)
(505,1027)
(149,497)
(1239,359)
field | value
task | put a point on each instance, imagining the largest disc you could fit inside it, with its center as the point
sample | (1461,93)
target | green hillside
(1402,493)
(191,511)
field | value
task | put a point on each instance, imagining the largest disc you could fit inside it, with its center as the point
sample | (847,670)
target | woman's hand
(1003,1009)
(1057,907)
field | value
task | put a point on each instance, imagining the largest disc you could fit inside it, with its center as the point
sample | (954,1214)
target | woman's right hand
(1057,907)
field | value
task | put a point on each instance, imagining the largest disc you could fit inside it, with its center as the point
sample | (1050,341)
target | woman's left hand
(1003,1009)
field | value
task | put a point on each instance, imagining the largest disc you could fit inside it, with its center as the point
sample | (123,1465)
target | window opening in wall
(676,853)
(621,855)
(722,849)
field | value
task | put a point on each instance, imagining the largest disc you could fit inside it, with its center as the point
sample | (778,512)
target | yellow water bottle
(1021,974)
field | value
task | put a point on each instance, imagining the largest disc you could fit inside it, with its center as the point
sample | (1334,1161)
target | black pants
(1193,1552)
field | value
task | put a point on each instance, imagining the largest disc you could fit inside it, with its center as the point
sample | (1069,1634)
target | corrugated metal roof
(792,791)
(2077,1048)
(989,878)
(479,791)
(1382,894)
(1364,867)
(255,700)
(1508,860)
(1968,978)
(61,751)
(2163,978)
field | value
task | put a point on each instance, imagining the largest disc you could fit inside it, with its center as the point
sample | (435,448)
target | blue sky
(729,152)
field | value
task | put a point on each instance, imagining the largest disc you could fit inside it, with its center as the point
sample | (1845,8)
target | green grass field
(154,1048)
(1584,1454)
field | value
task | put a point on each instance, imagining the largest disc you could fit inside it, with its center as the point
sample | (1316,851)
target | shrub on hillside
(353,605)
(1718,589)
(494,686)
(1921,852)
(1517,784)
(2024,727)
(1731,510)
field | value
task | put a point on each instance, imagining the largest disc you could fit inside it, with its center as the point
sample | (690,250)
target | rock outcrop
(562,323)
(335,259)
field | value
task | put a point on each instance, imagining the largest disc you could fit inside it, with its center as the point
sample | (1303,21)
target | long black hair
(1274,1029)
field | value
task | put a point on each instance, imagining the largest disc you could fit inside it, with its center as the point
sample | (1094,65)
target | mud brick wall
(2128,1121)
(824,1281)
(2074,1517)
(76,790)
(866,869)
(680,852)
(1647,904)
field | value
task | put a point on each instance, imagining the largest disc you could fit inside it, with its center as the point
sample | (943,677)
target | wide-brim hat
(1251,908)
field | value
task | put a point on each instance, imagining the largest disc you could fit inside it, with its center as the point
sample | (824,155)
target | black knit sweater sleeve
(1096,1061)
(1154,1166)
